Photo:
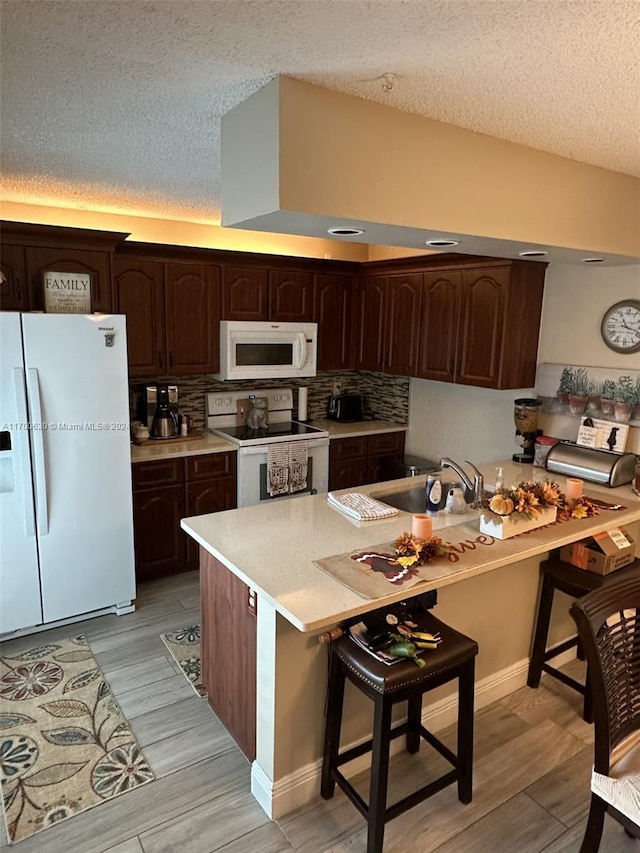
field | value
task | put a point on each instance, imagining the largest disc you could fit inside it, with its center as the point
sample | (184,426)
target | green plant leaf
(8,721)
(71,736)
(54,774)
(81,680)
(66,708)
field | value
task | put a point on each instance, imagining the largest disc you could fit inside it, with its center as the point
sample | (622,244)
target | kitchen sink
(413,501)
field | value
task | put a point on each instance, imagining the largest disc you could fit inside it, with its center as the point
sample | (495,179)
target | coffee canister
(433,493)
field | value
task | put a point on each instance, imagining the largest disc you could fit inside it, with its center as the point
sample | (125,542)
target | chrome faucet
(476,487)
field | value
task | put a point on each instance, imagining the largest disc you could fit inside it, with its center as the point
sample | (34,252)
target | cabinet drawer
(348,448)
(165,472)
(386,443)
(212,465)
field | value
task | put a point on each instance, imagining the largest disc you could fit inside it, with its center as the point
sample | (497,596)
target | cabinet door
(481,326)
(160,544)
(290,296)
(13,295)
(383,450)
(138,292)
(245,294)
(404,299)
(97,264)
(347,473)
(205,497)
(331,311)
(229,637)
(439,327)
(370,322)
(193,318)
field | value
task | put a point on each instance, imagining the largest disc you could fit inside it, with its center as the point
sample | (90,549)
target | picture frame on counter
(66,292)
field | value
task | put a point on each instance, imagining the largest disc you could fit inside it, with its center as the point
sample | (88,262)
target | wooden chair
(608,621)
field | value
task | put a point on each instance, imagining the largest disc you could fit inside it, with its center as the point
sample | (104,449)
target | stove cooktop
(286,431)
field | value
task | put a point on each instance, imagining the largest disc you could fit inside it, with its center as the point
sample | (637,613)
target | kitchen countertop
(286,537)
(153,451)
(209,443)
(341,429)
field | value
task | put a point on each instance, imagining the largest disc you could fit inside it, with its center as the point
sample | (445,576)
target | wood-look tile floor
(533,756)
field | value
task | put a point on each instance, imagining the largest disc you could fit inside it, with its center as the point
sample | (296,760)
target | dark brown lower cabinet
(164,492)
(357,460)
(228,643)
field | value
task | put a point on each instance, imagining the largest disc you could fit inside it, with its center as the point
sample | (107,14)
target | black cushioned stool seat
(574,582)
(386,686)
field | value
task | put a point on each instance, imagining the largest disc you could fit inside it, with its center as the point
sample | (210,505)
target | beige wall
(148,230)
(351,158)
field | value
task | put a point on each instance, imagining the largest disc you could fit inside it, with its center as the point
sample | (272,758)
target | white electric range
(227,413)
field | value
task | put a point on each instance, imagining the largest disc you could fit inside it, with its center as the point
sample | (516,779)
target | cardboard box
(603,553)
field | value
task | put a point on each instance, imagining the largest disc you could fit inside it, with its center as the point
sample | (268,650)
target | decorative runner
(184,646)
(376,571)
(64,743)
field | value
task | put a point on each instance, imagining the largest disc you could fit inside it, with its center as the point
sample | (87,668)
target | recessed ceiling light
(345,231)
(593,260)
(442,244)
(533,253)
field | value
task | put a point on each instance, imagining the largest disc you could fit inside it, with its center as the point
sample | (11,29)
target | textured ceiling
(116,104)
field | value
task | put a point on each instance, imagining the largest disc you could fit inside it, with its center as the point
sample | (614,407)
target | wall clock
(620,327)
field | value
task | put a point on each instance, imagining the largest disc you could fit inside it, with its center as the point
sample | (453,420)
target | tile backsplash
(384,396)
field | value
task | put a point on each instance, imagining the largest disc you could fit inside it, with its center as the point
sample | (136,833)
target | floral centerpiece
(411,551)
(529,505)
(524,507)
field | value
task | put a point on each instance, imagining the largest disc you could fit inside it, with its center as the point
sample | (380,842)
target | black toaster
(345,407)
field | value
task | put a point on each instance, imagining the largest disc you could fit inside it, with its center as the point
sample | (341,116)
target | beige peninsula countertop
(272,548)
(353,429)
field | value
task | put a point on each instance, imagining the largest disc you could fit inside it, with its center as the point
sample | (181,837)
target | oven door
(252,473)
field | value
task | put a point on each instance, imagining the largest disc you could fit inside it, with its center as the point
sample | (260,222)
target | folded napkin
(361,507)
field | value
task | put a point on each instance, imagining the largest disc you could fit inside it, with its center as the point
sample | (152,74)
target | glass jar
(543,445)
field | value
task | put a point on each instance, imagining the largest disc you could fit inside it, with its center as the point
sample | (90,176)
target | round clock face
(620,327)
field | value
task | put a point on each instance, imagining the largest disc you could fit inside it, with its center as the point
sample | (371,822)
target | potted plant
(564,387)
(624,399)
(593,396)
(635,412)
(607,393)
(578,391)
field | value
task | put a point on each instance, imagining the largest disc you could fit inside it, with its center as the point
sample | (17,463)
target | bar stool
(386,686)
(574,582)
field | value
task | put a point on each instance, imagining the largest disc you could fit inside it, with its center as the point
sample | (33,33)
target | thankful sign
(67,292)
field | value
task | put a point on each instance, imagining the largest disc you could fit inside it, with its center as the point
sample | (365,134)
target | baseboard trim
(303,786)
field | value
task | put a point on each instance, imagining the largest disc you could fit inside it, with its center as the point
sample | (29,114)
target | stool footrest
(444,751)
(565,679)
(421,794)
(562,647)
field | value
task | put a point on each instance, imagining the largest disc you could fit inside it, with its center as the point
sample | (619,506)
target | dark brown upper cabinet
(285,296)
(369,324)
(173,313)
(404,299)
(332,312)
(192,300)
(480,325)
(97,264)
(13,295)
(245,293)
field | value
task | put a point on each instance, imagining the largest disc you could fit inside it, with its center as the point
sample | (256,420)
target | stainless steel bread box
(587,463)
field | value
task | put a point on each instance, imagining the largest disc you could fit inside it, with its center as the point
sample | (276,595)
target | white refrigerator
(66,517)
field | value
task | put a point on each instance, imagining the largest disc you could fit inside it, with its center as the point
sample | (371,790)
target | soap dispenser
(499,480)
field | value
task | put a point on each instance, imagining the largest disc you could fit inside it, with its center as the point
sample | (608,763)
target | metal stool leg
(465,731)
(379,774)
(335,696)
(542,630)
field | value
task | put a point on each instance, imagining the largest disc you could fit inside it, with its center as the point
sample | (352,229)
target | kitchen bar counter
(272,549)
(153,450)
(286,537)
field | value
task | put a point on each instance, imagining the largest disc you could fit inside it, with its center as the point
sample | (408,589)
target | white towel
(278,469)
(361,507)
(298,466)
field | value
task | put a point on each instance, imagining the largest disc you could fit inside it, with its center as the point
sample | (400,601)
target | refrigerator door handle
(23,451)
(37,437)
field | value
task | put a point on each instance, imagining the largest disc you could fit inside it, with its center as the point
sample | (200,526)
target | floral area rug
(64,744)
(184,646)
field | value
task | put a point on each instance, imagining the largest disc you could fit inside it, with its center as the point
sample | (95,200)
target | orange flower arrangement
(411,551)
(527,498)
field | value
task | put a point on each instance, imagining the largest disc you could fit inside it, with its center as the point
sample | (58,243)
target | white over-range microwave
(259,350)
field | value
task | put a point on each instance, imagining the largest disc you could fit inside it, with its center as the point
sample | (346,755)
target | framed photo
(67,292)
(603,435)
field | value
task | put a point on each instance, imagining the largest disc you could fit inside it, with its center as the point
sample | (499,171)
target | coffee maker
(159,399)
